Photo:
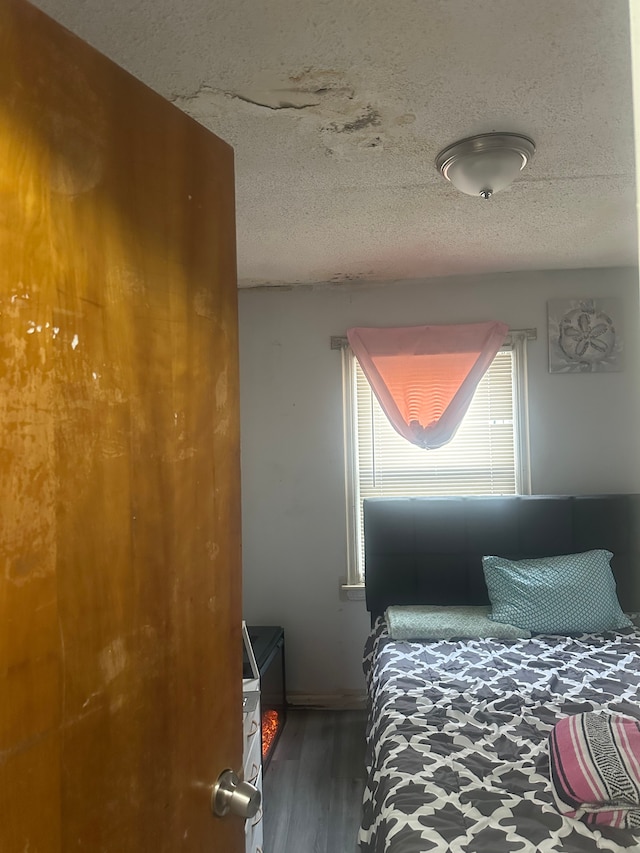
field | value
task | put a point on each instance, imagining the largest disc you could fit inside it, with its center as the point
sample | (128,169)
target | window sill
(353,591)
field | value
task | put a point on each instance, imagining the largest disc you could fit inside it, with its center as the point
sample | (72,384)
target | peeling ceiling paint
(337,110)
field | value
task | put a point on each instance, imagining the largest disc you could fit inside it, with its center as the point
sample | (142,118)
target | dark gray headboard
(429,550)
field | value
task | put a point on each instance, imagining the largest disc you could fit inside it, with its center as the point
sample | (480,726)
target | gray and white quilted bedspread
(457,740)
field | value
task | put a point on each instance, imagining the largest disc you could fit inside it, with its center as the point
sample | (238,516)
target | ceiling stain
(369,117)
(340,277)
(325,103)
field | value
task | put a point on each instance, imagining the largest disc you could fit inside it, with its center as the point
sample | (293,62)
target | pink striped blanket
(594,760)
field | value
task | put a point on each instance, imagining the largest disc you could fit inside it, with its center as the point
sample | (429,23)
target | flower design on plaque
(584,335)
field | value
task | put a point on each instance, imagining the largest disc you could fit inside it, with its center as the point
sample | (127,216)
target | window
(488,455)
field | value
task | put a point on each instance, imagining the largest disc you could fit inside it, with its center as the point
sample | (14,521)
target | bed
(457,756)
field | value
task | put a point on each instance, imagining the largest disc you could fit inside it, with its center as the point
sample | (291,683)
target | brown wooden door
(120,661)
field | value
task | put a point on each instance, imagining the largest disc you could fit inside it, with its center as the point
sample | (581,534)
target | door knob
(232,795)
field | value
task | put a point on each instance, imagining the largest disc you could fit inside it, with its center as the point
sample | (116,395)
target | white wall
(584,437)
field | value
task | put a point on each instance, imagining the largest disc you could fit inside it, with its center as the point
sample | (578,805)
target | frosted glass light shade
(483,165)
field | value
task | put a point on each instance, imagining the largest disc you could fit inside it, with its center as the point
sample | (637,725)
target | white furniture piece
(252,745)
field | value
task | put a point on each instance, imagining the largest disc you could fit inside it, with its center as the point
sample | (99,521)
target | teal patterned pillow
(570,594)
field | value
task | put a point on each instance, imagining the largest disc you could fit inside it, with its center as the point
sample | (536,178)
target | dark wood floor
(314,783)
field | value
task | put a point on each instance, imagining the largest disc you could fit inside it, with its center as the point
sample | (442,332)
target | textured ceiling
(337,108)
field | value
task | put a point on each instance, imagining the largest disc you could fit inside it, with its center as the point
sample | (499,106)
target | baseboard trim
(353,700)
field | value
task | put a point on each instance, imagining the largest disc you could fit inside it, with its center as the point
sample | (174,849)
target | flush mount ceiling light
(485,164)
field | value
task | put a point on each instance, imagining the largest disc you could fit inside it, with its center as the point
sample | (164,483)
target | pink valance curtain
(425,376)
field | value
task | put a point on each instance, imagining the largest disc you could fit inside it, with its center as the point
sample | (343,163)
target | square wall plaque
(585,335)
